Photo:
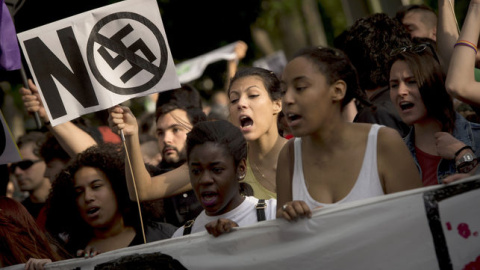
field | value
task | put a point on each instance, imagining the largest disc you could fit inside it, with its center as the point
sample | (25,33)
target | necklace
(258,170)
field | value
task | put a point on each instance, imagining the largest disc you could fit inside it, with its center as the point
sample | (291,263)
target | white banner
(192,69)
(427,228)
(275,62)
(8,147)
(100,58)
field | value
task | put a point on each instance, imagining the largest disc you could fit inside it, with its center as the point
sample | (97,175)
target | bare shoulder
(389,136)
(287,149)
(359,131)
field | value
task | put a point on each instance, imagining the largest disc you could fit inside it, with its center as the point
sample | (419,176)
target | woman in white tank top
(332,161)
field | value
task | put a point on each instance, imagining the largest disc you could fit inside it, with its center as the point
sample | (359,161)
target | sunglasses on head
(415,49)
(24,164)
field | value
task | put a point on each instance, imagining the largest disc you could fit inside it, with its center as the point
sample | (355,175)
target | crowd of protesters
(271,146)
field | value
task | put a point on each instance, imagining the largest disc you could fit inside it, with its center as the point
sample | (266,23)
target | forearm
(73,139)
(447,31)
(139,180)
(460,81)
(148,187)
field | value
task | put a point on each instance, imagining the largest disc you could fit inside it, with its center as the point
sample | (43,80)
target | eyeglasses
(24,164)
(467,167)
(415,49)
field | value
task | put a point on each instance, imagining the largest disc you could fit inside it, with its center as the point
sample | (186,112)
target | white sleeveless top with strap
(368,182)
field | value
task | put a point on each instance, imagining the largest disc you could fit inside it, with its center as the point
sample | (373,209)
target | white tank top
(368,182)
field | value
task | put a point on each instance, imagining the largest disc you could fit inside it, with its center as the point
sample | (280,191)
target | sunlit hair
(62,211)
(335,65)
(428,14)
(431,84)
(20,236)
(34,137)
(269,79)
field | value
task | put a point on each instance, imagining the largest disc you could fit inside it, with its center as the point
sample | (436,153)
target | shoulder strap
(261,205)
(291,155)
(187,228)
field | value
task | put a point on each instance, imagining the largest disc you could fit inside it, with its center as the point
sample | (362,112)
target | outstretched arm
(460,81)
(232,65)
(148,188)
(73,139)
(447,31)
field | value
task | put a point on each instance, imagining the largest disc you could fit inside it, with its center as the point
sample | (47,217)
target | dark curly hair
(51,149)
(368,44)
(63,217)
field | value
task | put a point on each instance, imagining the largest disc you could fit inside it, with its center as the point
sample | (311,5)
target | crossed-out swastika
(124,53)
(137,45)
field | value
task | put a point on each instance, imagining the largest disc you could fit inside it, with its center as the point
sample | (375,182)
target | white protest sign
(405,230)
(8,148)
(192,69)
(275,62)
(100,58)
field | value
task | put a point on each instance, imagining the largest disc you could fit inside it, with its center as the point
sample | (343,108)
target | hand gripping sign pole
(25,84)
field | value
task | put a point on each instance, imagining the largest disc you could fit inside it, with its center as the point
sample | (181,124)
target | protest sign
(433,227)
(275,62)
(100,58)
(8,148)
(193,68)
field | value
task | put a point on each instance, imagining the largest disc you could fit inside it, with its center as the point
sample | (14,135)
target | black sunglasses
(24,164)
(416,49)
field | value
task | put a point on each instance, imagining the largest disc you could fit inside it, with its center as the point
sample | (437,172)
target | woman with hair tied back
(21,240)
(442,142)
(255,106)
(332,161)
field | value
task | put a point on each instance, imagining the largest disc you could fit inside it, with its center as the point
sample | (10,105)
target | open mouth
(92,211)
(209,198)
(292,117)
(246,121)
(405,105)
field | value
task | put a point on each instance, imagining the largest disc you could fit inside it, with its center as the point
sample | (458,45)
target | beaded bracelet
(466,43)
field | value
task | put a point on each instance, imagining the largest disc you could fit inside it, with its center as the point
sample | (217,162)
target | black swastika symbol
(124,53)
(137,45)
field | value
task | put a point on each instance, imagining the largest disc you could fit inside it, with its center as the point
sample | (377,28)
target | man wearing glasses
(29,173)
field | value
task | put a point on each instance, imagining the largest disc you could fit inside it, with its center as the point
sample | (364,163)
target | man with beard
(177,111)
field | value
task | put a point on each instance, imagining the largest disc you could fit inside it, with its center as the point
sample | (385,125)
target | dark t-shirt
(154,231)
(182,207)
(383,113)
(32,208)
